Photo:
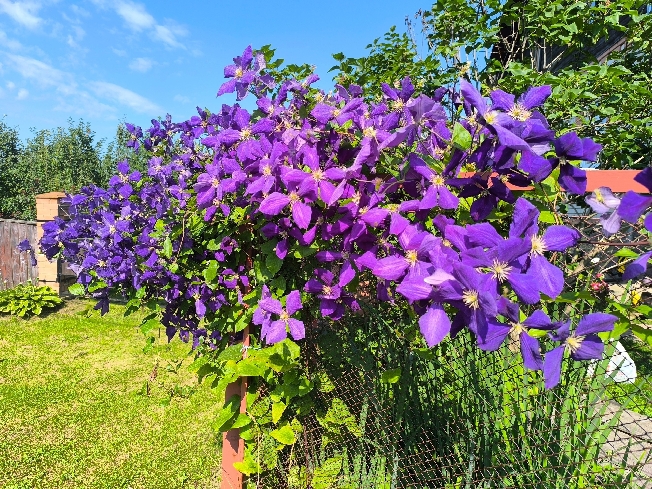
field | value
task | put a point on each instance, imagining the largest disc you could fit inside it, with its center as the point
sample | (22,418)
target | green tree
(64,159)
(515,44)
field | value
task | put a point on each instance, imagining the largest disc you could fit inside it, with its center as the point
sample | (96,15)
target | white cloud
(119,52)
(9,43)
(135,15)
(10,85)
(74,39)
(125,97)
(168,34)
(22,94)
(181,98)
(22,12)
(43,74)
(141,64)
(34,69)
(79,11)
(139,19)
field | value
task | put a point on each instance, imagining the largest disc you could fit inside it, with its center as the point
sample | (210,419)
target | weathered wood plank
(16,268)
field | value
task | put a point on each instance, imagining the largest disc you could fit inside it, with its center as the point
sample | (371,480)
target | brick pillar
(47,208)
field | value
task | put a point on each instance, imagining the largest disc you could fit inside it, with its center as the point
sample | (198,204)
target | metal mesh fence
(384,414)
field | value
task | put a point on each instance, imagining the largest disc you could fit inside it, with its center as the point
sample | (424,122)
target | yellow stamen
(573,343)
(411,257)
(519,112)
(500,270)
(471,299)
(538,245)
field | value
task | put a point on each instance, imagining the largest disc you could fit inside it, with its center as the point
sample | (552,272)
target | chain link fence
(384,414)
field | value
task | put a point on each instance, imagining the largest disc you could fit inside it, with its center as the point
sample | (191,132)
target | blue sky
(111,60)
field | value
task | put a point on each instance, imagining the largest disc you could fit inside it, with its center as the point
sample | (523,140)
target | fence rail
(15,268)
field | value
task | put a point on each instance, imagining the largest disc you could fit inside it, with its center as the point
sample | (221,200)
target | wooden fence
(15,268)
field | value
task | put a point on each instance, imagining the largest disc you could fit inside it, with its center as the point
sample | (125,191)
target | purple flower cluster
(373,189)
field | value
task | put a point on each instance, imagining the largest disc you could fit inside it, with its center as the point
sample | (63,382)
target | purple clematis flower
(436,194)
(275,331)
(242,73)
(520,110)
(25,246)
(568,147)
(471,292)
(633,205)
(530,348)
(122,181)
(583,344)
(330,292)
(605,204)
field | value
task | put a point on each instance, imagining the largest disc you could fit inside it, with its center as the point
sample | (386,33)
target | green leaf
(284,435)
(167,247)
(273,263)
(326,475)
(227,413)
(210,272)
(250,368)
(626,253)
(248,466)
(278,408)
(77,289)
(547,217)
(461,137)
(391,376)
(241,421)
(642,333)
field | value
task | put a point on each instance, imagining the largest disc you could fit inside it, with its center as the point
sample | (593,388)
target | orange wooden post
(616,180)
(232,444)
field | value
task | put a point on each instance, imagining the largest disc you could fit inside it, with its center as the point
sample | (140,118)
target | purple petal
(538,320)
(637,267)
(271,305)
(525,219)
(274,203)
(346,274)
(525,286)
(391,267)
(227,87)
(494,337)
(293,303)
(550,279)
(632,206)
(552,366)
(535,96)
(473,96)
(301,213)
(297,329)
(572,179)
(597,322)
(530,351)
(560,238)
(414,289)
(537,167)
(434,325)
(591,348)
(276,332)
(645,178)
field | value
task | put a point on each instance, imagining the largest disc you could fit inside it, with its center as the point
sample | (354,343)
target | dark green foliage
(64,159)
(516,44)
(60,160)
(28,299)
(389,60)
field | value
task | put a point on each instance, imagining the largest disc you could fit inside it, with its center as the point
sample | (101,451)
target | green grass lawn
(81,406)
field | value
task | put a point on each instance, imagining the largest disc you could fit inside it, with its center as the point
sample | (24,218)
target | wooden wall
(15,268)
